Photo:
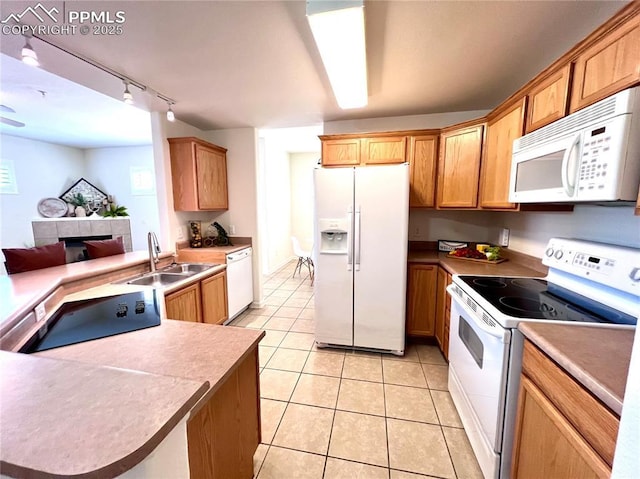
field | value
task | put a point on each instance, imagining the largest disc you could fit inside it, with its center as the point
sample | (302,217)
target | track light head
(127,97)
(29,55)
(170,115)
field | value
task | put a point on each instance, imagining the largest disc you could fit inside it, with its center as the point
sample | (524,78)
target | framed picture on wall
(89,192)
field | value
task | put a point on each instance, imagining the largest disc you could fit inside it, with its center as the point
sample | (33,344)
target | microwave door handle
(568,181)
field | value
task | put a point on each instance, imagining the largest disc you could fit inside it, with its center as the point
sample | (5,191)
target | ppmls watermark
(50,21)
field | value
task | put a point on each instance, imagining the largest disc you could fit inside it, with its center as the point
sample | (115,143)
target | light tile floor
(336,414)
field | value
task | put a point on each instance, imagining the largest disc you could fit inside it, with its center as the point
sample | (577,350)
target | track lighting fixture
(29,55)
(170,115)
(127,97)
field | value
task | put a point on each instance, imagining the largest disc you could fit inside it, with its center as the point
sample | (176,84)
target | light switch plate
(504,237)
(40,312)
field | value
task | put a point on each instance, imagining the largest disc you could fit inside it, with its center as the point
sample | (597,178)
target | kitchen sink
(187,268)
(158,279)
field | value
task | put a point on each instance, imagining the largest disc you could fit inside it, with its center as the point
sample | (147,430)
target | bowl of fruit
(489,254)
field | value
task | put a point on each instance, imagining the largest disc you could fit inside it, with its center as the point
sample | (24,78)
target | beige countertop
(598,358)
(201,352)
(20,293)
(459,266)
(218,249)
(66,419)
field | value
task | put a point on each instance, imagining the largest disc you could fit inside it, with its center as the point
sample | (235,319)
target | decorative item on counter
(113,211)
(223,238)
(482,247)
(195,232)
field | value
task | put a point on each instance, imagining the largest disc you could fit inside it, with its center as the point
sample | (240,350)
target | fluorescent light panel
(339,35)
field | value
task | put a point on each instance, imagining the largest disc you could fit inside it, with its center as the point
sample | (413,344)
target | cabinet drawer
(594,421)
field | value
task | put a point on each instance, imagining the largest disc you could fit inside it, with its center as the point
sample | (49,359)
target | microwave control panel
(594,163)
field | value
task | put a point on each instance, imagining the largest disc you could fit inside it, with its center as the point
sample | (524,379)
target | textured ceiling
(242,63)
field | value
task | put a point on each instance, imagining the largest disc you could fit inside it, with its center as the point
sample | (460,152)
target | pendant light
(127,97)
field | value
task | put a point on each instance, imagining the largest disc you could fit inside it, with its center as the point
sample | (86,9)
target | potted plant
(113,211)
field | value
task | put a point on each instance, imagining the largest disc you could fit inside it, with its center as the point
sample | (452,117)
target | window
(142,180)
(8,183)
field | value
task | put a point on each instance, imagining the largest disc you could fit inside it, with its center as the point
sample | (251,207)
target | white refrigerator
(360,256)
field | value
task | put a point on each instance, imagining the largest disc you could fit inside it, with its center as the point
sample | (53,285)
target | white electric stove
(589,284)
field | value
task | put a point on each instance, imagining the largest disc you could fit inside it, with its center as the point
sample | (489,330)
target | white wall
(277,205)
(391,123)
(110,169)
(301,166)
(43,170)
(530,231)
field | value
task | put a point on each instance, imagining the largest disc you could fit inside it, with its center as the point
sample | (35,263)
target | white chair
(304,258)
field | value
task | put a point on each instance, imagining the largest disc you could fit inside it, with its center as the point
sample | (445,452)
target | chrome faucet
(154,250)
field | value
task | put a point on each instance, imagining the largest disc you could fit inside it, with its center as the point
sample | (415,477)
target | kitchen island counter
(139,384)
(65,419)
(598,358)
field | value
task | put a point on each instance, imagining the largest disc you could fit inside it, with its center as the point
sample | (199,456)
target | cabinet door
(344,152)
(384,150)
(214,299)
(423,152)
(547,445)
(496,163)
(184,304)
(549,99)
(211,171)
(421,303)
(608,66)
(459,168)
(441,306)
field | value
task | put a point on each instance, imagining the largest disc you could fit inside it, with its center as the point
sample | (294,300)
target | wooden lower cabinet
(443,311)
(562,430)
(202,302)
(421,299)
(214,299)
(224,434)
(185,304)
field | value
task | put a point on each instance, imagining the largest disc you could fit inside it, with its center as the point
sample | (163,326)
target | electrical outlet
(40,312)
(504,237)
(179,234)
(416,231)
(232,229)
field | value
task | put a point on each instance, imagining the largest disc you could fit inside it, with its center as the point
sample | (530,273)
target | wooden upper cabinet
(459,167)
(549,99)
(354,150)
(214,299)
(423,153)
(383,150)
(198,174)
(341,152)
(609,65)
(496,163)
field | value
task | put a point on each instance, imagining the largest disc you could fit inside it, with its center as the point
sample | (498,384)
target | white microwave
(592,155)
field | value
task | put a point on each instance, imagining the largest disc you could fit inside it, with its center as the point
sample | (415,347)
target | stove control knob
(635,274)
(558,254)
(549,252)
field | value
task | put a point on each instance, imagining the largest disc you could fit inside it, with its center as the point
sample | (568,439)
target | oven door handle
(497,331)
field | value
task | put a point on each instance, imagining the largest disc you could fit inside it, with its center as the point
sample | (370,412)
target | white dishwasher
(239,281)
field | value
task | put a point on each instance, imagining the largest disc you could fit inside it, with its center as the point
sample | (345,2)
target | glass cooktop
(534,298)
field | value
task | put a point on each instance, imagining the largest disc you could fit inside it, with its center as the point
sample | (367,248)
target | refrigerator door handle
(357,239)
(349,242)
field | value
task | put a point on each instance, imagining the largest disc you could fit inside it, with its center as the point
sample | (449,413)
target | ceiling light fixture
(29,55)
(338,29)
(170,115)
(127,97)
